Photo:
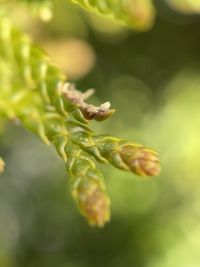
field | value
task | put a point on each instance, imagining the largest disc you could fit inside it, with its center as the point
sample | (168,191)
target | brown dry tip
(97,113)
(78,98)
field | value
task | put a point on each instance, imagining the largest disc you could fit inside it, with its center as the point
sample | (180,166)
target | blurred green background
(153,80)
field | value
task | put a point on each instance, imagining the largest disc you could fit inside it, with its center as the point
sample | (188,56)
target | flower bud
(140,160)
(93,202)
(128,156)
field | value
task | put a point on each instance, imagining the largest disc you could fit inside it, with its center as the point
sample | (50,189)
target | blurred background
(153,81)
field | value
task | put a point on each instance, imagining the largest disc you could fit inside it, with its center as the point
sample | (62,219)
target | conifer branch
(35,93)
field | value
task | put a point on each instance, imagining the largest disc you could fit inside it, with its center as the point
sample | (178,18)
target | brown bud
(93,203)
(142,161)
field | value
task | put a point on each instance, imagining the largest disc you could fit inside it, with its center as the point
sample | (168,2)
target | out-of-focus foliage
(153,81)
(136,13)
(41,8)
(186,6)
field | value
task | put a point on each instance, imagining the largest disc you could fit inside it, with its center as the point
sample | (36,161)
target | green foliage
(34,93)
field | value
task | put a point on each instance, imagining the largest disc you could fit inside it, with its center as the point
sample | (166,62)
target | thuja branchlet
(37,95)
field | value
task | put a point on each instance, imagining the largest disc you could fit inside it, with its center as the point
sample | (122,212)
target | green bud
(87,186)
